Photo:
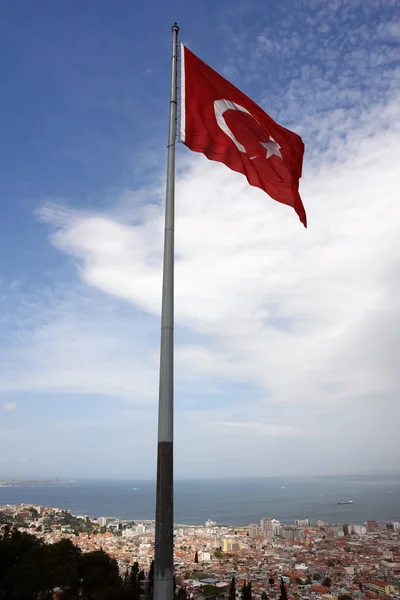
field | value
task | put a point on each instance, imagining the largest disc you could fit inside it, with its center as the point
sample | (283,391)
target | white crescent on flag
(221,106)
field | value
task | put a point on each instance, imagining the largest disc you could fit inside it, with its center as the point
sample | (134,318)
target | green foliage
(330,563)
(218,553)
(327,582)
(6,518)
(197,574)
(31,569)
(209,590)
(264,596)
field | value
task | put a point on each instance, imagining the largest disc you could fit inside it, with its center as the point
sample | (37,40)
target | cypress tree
(249,592)
(283,595)
(232,589)
(151,578)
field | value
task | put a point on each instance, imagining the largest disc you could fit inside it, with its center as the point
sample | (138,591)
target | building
(275,526)
(286,533)
(359,529)
(231,544)
(204,556)
(254,530)
(337,530)
(302,522)
(380,587)
(23,515)
(391,568)
(104,521)
(266,528)
(129,533)
(291,533)
(329,596)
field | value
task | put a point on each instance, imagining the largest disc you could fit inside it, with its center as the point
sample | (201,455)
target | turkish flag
(220,121)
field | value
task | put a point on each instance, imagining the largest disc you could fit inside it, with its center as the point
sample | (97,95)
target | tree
(151,578)
(327,582)
(243,591)
(298,581)
(264,596)
(283,595)
(317,577)
(345,597)
(100,576)
(63,565)
(133,580)
(31,569)
(246,591)
(209,590)
(232,589)
(218,553)
(330,563)
(196,558)
(249,591)
(271,581)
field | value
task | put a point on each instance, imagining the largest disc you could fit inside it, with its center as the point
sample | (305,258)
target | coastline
(230,502)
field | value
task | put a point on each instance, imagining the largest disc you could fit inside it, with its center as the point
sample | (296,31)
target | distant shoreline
(233,502)
(212,524)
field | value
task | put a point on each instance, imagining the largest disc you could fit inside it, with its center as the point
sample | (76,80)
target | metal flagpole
(164,534)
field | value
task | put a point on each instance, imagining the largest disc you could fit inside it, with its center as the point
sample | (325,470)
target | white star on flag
(272,148)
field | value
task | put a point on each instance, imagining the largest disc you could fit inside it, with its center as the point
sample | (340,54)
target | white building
(266,527)
(204,556)
(104,521)
(359,529)
(275,526)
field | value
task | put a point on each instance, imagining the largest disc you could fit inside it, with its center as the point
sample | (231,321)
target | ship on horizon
(348,502)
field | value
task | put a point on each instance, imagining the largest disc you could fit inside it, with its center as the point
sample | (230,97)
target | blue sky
(286,339)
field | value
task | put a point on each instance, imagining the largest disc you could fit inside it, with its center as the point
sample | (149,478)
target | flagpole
(164,532)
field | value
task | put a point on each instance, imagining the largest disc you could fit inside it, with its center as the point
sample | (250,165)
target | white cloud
(9,406)
(310,318)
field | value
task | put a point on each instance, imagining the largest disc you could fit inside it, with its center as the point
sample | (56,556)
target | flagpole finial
(175,27)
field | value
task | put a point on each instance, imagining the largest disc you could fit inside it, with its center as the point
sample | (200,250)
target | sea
(228,502)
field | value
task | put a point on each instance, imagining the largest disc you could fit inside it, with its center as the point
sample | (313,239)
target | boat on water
(348,502)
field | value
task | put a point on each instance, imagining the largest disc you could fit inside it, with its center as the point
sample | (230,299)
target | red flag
(220,121)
